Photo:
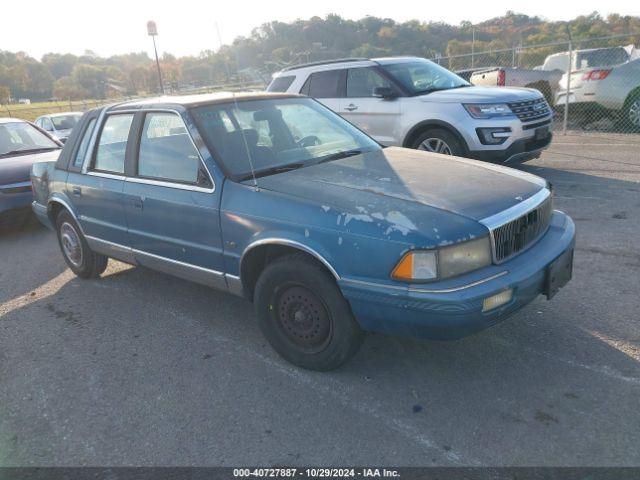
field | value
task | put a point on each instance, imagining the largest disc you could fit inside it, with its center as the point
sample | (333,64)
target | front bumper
(453,309)
(519,151)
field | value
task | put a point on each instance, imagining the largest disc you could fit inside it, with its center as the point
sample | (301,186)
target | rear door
(377,116)
(171,203)
(96,179)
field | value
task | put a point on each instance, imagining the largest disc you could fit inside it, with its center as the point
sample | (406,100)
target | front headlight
(487,110)
(446,262)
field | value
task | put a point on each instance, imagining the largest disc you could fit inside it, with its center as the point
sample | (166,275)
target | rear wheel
(84,262)
(304,316)
(438,140)
(631,113)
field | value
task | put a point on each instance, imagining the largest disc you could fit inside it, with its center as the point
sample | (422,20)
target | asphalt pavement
(140,368)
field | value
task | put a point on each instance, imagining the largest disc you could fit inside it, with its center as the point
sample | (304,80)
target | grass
(34,110)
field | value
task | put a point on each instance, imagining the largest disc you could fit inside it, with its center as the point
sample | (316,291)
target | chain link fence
(591,84)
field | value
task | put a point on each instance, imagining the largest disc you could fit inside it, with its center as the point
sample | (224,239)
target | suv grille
(518,234)
(530,110)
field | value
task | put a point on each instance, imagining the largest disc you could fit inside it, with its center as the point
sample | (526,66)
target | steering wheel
(309,141)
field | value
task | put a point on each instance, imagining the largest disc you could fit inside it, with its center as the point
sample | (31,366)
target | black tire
(630,119)
(87,263)
(432,136)
(304,316)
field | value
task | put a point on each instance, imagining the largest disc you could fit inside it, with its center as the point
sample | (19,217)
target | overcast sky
(188,26)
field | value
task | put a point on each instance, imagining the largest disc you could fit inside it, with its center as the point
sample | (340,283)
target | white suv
(412,102)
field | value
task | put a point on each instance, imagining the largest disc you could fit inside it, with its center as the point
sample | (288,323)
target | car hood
(62,133)
(481,95)
(18,169)
(409,182)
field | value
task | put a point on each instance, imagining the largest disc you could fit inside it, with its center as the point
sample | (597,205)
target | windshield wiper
(339,155)
(273,170)
(28,150)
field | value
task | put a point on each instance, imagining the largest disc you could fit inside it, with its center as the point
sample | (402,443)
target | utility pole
(152,31)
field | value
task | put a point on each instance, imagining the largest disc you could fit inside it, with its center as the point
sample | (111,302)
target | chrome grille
(518,234)
(530,110)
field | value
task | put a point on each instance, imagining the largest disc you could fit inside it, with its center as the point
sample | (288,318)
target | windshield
(65,122)
(22,137)
(275,135)
(423,76)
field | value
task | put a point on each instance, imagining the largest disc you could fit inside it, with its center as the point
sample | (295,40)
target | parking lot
(139,368)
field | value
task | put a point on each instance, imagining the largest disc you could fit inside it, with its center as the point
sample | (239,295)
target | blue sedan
(275,198)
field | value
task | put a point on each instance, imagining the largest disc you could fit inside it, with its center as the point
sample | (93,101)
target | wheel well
(54,210)
(632,94)
(255,261)
(422,127)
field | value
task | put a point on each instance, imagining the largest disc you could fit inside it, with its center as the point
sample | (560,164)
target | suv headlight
(446,262)
(487,110)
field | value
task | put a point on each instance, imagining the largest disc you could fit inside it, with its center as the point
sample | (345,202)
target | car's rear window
(281,84)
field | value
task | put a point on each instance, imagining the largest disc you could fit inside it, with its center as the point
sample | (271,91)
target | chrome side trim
(187,271)
(410,289)
(234,284)
(9,186)
(180,186)
(501,218)
(110,249)
(112,176)
(289,243)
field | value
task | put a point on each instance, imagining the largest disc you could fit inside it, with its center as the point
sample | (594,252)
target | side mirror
(386,93)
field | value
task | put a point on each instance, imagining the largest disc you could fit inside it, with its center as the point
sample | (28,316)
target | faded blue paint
(359,215)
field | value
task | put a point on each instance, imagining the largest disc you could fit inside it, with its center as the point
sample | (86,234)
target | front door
(379,117)
(171,204)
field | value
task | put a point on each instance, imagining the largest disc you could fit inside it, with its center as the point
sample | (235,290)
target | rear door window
(326,84)
(112,145)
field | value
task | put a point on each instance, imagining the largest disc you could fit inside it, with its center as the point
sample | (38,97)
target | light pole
(152,31)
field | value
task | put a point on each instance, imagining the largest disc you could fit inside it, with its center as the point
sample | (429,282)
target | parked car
(279,200)
(415,103)
(59,125)
(21,144)
(604,92)
(588,58)
(546,82)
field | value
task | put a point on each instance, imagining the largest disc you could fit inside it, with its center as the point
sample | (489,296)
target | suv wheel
(304,316)
(84,262)
(631,113)
(438,140)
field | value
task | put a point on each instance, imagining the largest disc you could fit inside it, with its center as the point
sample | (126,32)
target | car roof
(198,99)
(61,114)
(343,62)
(11,120)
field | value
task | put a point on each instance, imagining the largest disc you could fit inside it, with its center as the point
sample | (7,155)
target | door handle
(77,191)
(137,202)
(351,107)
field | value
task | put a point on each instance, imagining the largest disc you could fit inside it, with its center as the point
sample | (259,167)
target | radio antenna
(235,103)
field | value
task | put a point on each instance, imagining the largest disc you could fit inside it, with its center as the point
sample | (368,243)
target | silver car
(59,125)
(412,102)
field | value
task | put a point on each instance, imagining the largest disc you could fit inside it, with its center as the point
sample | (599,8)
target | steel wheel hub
(303,318)
(436,145)
(71,245)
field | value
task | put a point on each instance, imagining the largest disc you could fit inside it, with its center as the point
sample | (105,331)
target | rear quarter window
(281,84)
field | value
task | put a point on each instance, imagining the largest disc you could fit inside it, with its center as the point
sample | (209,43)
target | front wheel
(438,140)
(83,261)
(304,316)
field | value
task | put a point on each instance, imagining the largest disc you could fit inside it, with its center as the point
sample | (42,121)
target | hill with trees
(274,45)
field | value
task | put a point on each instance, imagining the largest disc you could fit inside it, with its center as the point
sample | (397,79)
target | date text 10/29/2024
(315,472)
